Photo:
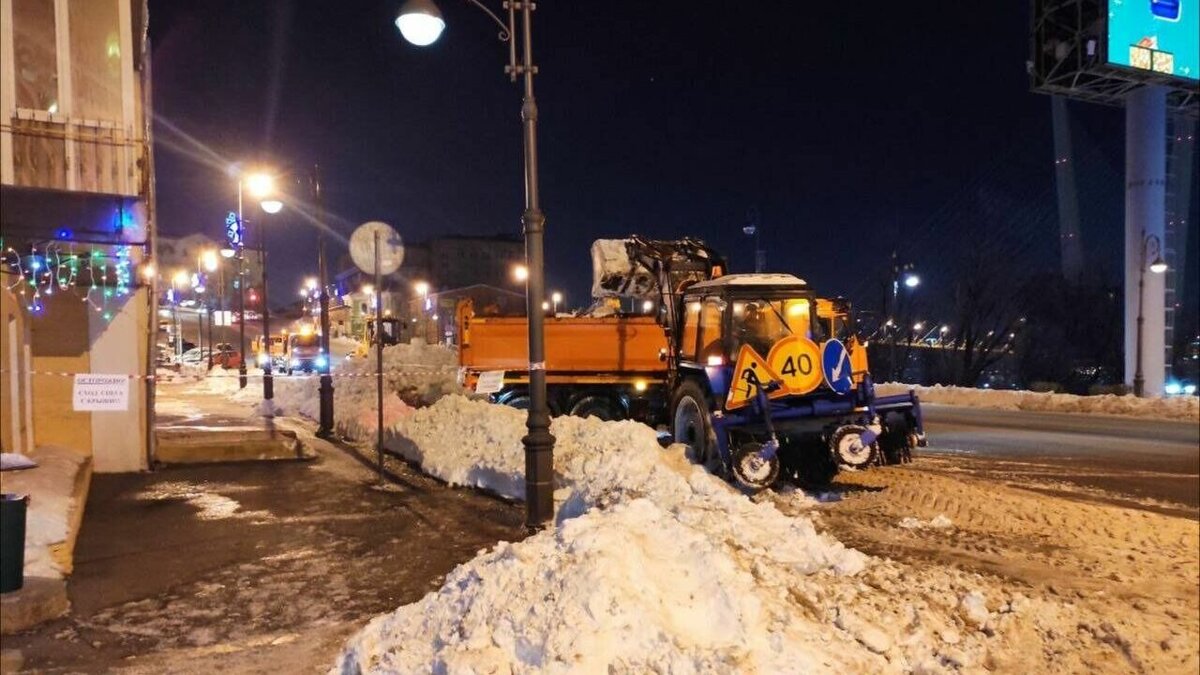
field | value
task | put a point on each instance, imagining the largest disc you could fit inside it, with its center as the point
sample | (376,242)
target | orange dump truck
(609,367)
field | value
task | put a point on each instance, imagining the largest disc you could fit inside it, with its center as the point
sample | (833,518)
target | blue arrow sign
(835,363)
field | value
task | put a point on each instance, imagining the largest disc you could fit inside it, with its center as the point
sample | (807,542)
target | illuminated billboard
(1162,36)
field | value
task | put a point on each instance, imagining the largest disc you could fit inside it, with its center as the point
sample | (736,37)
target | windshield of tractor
(305,340)
(761,322)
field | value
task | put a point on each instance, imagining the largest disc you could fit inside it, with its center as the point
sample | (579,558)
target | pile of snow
(653,565)
(418,374)
(1174,408)
(51,487)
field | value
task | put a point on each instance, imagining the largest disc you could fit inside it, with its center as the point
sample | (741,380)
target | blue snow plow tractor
(769,381)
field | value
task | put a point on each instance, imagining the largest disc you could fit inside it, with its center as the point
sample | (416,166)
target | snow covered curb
(53,509)
(1175,408)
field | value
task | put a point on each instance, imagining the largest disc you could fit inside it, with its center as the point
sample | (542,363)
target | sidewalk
(57,488)
(198,422)
(253,567)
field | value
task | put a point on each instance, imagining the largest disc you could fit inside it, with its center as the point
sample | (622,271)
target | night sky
(853,129)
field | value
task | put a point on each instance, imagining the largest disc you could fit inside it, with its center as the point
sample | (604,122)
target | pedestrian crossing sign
(751,367)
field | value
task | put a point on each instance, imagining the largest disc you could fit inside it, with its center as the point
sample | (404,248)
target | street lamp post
(422,289)
(325,389)
(421,23)
(270,206)
(1158,266)
(900,274)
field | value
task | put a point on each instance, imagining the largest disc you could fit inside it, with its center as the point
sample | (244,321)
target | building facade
(77,226)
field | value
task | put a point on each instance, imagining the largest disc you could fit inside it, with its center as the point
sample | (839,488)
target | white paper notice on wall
(93,392)
(490,382)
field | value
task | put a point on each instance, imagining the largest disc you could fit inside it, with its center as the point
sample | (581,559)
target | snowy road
(1147,459)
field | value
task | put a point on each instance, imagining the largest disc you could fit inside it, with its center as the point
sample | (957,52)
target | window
(712,316)
(36,61)
(761,323)
(95,59)
(687,340)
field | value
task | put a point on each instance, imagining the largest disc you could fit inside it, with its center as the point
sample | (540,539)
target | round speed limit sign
(798,361)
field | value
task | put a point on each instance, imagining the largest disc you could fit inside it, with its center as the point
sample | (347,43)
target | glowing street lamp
(911,281)
(556,298)
(420,22)
(209,260)
(647,306)
(520,273)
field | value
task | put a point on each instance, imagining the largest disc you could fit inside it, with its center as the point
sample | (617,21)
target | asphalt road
(1141,458)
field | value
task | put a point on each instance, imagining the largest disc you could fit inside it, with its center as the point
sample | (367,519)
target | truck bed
(574,345)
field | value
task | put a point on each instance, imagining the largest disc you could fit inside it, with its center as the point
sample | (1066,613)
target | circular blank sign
(362,247)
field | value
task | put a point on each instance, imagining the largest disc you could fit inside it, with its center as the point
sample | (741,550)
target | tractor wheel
(691,414)
(752,472)
(600,407)
(848,449)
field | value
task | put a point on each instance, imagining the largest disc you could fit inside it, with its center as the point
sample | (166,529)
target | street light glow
(520,273)
(556,297)
(260,185)
(420,22)
(228,253)
(311,283)
(180,278)
(421,287)
(918,325)
(148,271)
(912,280)
(1158,266)
(209,260)
(368,289)
(272,205)
(647,306)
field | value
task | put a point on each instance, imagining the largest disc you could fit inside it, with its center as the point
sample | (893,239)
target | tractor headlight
(320,361)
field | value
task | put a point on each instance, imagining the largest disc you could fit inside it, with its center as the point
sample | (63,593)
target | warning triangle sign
(751,368)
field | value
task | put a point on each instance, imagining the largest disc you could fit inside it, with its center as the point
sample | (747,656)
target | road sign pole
(378,359)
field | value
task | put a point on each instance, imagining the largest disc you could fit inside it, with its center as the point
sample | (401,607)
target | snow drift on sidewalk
(1173,408)
(416,373)
(654,565)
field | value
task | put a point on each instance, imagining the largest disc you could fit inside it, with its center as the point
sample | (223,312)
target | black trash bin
(12,541)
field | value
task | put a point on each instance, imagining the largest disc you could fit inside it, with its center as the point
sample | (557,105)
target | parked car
(194,356)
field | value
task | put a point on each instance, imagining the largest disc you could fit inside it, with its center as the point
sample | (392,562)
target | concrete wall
(119,346)
(15,409)
(59,344)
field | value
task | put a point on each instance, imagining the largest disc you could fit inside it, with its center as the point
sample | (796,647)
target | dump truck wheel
(692,425)
(518,400)
(600,407)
